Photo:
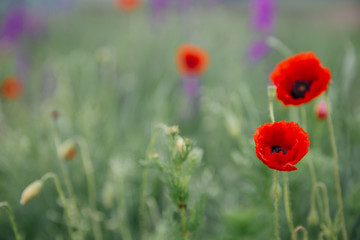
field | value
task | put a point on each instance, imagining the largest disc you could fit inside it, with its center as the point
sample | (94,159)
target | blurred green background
(111,76)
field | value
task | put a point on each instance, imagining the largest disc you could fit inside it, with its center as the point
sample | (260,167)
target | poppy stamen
(299,89)
(278,149)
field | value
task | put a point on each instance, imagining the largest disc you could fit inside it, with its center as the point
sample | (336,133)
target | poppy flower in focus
(127,5)
(321,110)
(191,60)
(280,145)
(11,88)
(300,78)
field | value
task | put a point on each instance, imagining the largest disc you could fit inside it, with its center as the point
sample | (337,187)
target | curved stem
(336,169)
(298,228)
(90,178)
(287,202)
(309,160)
(276,203)
(64,172)
(12,219)
(62,198)
(145,178)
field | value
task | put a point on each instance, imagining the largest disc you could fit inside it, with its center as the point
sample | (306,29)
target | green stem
(90,178)
(279,46)
(271,95)
(12,219)
(64,172)
(293,236)
(271,111)
(183,221)
(276,203)
(322,186)
(287,202)
(309,160)
(145,178)
(336,169)
(62,198)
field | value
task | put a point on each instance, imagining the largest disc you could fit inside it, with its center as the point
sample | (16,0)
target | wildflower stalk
(64,172)
(336,169)
(271,95)
(62,198)
(322,186)
(298,228)
(276,204)
(309,160)
(89,173)
(182,210)
(12,219)
(287,202)
(145,178)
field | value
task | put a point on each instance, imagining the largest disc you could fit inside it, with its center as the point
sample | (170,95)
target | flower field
(179,120)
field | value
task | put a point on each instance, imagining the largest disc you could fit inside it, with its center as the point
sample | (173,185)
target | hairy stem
(336,169)
(64,172)
(12,219)
(90,178)
(276,203)
(287,202)
(310,162)
(62,198)
(298,228)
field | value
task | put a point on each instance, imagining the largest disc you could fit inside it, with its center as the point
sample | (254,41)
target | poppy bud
(67,150)
(271,92)
(313,218)
(31,191)
(321,110)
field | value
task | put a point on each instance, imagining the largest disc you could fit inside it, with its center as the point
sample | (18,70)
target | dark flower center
(277,149)
(192,61)
(299,89)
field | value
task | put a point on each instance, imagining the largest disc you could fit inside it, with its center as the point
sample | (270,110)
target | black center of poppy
(278,149)
(192,61)
(299,89)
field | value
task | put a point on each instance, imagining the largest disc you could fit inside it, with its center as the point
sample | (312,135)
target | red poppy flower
(281,145)
(127,5)
(11,88)
(300,78)
(191,60)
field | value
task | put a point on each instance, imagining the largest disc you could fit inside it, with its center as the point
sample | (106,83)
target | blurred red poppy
(280,145)
(11,88)
(127,5)
(300,78)
(191,60)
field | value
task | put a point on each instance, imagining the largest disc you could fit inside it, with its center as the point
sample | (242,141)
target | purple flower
(258,50)
(159,7)
(14,24)
(192,87)
(18,22)
(263,15)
